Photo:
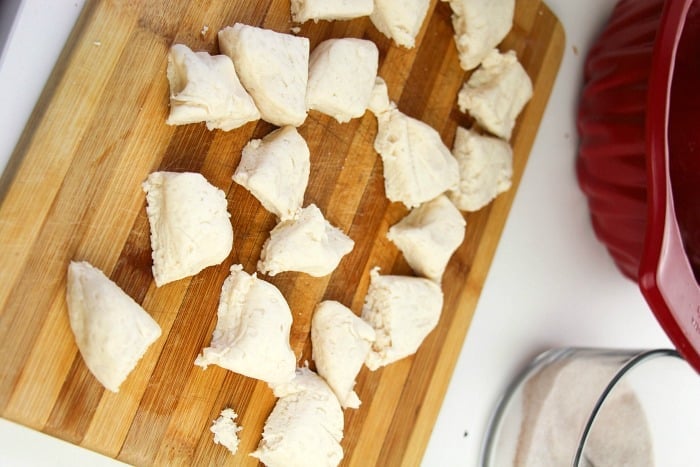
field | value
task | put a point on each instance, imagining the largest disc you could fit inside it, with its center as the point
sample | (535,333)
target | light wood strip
(76,87)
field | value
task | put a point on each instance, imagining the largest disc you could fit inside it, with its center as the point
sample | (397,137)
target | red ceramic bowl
(639,156)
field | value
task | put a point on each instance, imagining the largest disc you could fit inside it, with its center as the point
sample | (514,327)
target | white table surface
(551,283)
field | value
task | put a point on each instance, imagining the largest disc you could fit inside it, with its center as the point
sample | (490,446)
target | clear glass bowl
(587,407)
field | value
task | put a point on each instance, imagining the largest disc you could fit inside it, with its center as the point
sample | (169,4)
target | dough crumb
(226,430)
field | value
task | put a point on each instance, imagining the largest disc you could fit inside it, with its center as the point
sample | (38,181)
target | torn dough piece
(417,165)
(274,69)
(252,330)
(402,310)
(429,235)
(190,226)
(205,88)
(379,101)
(485,167)
(331,10)
(479,25)
(496,92)
(305,427)
(275,170)
(307,243)
(340,343)
(226,430)
(341,77)
(400,20)
(111,330)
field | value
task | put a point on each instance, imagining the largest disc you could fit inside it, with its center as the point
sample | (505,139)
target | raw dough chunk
(379,101)
(331,10)
(111,330)
(485,166)
(305,427)
(402,310)
(252,330)
(480,25)
(205,88)
(417,164)
(340,343)
(190,226)
(400,20)
(429,235)
(341,77)
(275,170)
(496,93)
(307,243)
(273,67)
(226,430)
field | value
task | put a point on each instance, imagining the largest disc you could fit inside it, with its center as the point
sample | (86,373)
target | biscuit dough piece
(226,430)
(340,343)
(274,69)
(417,165)
(403,310)
(496,93)
(479,25)
(307,243)
(205,88)
(331,10)
(429,235)
(305,427)
(341,77)
(252,330)
(275,170)
(190,226)
(400,20)
(111,330)
(379,101)
(485,167)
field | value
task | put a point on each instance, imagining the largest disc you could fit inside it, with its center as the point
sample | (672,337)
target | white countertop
(551,283)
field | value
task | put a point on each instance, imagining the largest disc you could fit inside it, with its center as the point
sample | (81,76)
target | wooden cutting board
(73,191)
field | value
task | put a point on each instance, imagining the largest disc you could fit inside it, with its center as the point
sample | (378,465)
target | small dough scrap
(307,243)
(379,101)
(340,343)
(190,226)
(417,165)
(111,330)
(275,170)
(400,20)
(429,235)
(330,10)
(403,310)
(252,330)
(496,93)
(485,166)
(305,427)
(274,69)
(226,430)
(341,77)
(479,25)
(205,88)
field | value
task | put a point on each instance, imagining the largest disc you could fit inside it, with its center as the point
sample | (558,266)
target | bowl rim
(632,363)
(665,276)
